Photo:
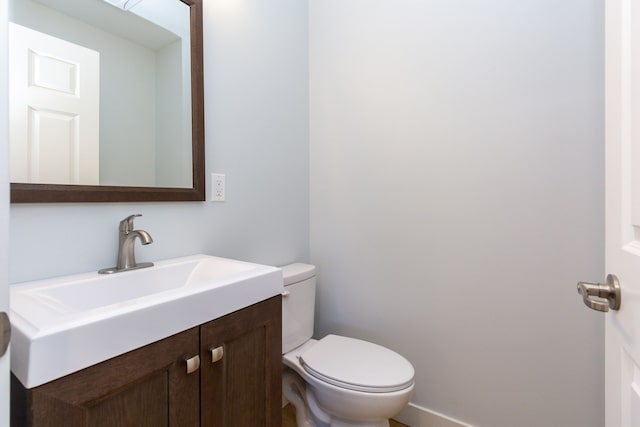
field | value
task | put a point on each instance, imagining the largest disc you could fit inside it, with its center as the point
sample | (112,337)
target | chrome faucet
(126,241)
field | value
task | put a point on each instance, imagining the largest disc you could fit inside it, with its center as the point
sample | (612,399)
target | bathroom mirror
(135,131)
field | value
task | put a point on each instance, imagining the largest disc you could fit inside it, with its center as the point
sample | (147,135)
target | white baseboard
(417,416)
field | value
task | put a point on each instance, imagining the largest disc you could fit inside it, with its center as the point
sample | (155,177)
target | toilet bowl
(336,381)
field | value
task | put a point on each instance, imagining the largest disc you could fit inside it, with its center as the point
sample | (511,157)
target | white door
(622,250)
(53,109)
(4,213)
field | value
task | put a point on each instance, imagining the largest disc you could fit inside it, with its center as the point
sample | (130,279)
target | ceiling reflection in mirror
(100,93)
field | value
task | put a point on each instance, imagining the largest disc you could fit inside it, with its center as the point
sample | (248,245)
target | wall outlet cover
(218,191)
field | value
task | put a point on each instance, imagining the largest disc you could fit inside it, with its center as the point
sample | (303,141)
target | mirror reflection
(100,92)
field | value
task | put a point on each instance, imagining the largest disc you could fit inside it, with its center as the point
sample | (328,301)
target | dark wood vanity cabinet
(239,386)
(145,387)
(244,387)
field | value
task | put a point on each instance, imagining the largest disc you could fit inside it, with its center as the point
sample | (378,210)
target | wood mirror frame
(53,193)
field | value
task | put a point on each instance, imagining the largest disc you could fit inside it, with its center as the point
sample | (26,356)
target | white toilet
(335,381)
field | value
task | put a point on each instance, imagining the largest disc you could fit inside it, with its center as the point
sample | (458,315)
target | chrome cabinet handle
(217,354)
(609,291)
(193,364)
(5,333)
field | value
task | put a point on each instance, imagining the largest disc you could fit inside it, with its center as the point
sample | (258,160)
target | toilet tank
(298,304)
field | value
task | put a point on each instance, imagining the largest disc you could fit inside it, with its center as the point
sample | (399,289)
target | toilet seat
(357,365)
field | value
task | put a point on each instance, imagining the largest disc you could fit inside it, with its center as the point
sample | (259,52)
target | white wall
(169,142)
(172,145)
(173,120)
(256,129)
(4,208)
(457,197)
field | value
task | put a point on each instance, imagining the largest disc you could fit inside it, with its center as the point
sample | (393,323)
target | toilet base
(308,412)
(293,389)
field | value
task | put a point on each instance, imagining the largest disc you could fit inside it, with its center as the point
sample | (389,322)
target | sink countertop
(65,324)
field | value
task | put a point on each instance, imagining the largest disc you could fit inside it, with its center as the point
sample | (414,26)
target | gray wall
(256,114)
(457,197)
(456,188)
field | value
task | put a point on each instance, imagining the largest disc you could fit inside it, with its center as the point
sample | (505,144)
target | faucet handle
(126,225)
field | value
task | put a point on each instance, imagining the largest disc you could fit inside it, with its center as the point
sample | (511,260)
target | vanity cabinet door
(145,387)
(241,379)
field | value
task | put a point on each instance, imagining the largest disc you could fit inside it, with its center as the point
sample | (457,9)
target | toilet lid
(357,365)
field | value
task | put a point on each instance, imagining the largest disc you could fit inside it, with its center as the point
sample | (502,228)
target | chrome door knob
(609,292)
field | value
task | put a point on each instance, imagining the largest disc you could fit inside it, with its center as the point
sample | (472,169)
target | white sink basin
(65,324)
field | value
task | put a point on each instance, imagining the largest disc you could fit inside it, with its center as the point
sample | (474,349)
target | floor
(289,418)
